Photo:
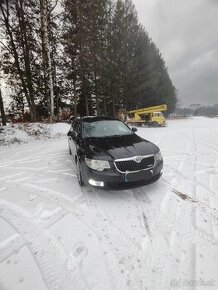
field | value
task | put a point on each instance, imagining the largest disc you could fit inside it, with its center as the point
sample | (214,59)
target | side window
(76,127)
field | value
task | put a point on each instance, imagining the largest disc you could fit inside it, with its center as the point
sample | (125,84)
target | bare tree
(5,9)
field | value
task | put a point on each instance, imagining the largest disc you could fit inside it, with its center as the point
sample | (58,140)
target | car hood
(118,147)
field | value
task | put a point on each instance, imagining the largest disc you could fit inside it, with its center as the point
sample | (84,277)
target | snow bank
(24,133)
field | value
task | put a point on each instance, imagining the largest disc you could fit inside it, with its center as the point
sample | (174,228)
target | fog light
(96,183)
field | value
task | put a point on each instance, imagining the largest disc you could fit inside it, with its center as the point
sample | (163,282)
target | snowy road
(53,235)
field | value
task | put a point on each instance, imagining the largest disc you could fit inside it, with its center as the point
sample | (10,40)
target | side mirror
(72,134)
(134,129)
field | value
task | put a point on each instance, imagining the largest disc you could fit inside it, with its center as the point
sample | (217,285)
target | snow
(56,235)
(24,133)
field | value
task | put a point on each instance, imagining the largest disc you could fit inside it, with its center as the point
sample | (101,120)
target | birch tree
(46,53)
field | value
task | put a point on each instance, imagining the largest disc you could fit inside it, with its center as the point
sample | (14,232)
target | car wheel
(157,177)
(78,172)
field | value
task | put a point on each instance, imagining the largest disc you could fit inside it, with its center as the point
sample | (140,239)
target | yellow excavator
(151,116)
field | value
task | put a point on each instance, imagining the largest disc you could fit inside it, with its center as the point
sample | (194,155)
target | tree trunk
(26,51)
(44,27)
(87,106)
(105,106)
(75,104)
(30,102)
(96,94)
(113,105)
(44,57)
(2,110)
(75,98)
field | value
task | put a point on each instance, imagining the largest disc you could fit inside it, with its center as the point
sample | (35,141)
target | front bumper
(112,176)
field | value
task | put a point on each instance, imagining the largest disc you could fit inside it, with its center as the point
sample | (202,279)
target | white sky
(186,33)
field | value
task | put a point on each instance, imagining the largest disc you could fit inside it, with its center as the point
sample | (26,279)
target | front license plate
(136,176)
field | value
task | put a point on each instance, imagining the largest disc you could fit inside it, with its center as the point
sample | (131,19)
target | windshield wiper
(117,135)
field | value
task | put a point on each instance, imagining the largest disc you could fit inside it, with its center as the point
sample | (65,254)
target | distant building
(194,106)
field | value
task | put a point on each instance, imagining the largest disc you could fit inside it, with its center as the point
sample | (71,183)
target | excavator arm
(149,110)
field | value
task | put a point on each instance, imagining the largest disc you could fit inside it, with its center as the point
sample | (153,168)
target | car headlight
(158,156)
(98,165)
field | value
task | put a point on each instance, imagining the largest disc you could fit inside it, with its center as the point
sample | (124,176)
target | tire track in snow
(70,205)
(205,209)
(159,249)
(42,156)
(29,160)
(209,146)
(11,176)
(113,238)
(11,245)
(15,242)
(48,254)
(196,236)
(193,234)
(170,223)
(195,182)
(98,229)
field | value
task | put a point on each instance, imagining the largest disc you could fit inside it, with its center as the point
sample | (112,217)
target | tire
(157,177)
(78,173)
(155,124)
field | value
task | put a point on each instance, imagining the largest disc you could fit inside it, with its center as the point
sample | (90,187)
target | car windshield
(105,128)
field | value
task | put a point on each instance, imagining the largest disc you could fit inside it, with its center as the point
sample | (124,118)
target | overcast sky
(186,32)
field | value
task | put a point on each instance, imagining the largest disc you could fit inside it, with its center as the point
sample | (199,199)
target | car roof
(91,119)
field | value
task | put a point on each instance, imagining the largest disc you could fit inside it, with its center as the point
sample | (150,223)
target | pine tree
(45,9)
(98,49)
(78,45)
(102,60)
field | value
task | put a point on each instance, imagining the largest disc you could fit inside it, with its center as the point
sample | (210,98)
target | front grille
(131,165)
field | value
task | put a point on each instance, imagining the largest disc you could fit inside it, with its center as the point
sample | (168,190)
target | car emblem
(138,159)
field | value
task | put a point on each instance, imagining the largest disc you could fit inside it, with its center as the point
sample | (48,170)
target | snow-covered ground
(55,235)
(24,133)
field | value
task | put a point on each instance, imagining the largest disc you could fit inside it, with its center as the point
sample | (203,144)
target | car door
(73,137)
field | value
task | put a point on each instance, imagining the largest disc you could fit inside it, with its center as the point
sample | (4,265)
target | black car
(107,152)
